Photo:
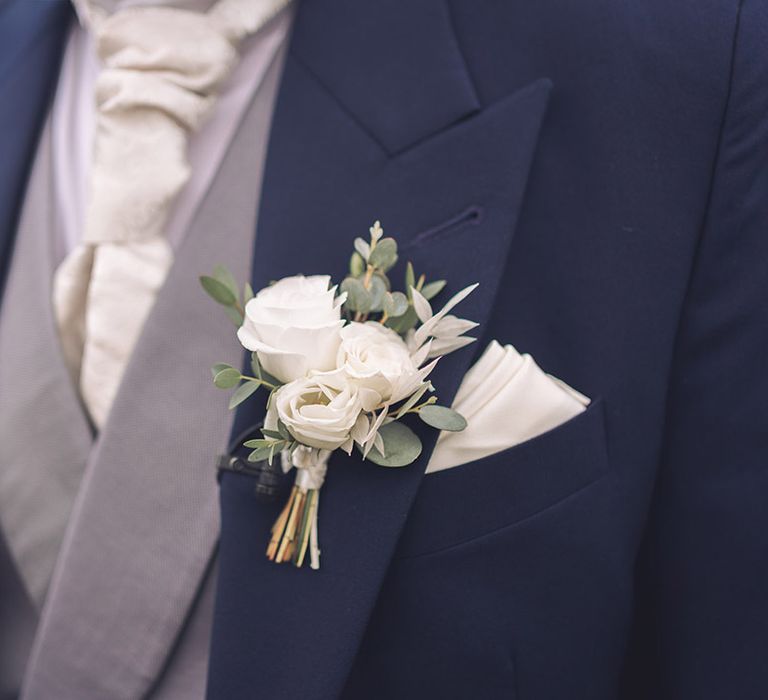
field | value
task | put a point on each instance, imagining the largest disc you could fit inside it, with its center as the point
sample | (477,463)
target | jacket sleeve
(703,575)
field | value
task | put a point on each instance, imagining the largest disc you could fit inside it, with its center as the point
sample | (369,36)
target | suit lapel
(40,410)
(341,156)
(31,39)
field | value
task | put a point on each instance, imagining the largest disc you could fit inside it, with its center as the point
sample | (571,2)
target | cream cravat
(161,70)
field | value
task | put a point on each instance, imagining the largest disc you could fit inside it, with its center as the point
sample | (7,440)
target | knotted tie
(161,70)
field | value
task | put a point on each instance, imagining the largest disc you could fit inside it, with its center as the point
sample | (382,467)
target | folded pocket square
(506,399)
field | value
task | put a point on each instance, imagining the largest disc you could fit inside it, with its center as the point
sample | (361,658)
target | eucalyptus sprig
(222,287)
(369,290)
(273,442)
(226,376)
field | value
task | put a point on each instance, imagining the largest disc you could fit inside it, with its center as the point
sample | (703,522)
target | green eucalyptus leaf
(403,323)
(363,248)
(395,304)
(377,290)
(269,379)
(356,265)
(384,255)
(398,304)
(227,378)
(247,293)
(260,455)
(432,289)
(358,297)
(255,444)
(255,365)
(242,393)
(387,304)
(223,275)
(410,279)
(283,430)
(401,446)
(443,418)
(218,291)
(383,277)
(274,434)
(260,373)
(235,316)
(219,366)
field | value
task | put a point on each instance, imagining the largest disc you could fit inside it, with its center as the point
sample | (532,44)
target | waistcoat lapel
(45,438)
(31,40)
(377,119)
(145,524)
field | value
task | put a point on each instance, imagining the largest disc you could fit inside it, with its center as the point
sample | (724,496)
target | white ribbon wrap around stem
(311,466)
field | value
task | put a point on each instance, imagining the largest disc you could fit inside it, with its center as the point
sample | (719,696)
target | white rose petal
(376,360)
(294,326)
(315,414)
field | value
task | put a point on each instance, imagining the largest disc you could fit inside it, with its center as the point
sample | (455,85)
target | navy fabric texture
(600,168)
(31,42)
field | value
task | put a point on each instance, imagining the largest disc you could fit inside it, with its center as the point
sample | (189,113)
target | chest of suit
(491,172)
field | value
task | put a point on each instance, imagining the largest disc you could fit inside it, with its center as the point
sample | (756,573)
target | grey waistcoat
(107,555)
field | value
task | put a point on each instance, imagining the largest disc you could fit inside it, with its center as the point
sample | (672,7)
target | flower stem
(285,550)
(304,529)
(279,527)
(416,409)
(259,381)
(314,548)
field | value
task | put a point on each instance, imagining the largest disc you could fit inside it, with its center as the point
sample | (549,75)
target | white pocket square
(507,399)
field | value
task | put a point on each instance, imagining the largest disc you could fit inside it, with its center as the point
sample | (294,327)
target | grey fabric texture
(129,607)
(44,436)
(186,674)
(18,621)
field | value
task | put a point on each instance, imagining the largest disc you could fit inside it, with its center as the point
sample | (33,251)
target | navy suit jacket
(600,167)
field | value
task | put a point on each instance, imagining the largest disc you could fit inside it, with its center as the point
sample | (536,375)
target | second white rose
(377,361)
(315,414)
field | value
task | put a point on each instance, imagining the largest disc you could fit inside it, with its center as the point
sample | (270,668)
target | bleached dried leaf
(447,345)
(426,330)
(370,438)
(452,327)
(421,305)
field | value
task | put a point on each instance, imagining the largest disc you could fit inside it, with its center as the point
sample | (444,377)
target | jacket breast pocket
(461,504)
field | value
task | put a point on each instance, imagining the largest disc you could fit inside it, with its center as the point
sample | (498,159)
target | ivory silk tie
(161,70)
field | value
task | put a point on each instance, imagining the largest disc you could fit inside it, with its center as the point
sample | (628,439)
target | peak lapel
(31,39)
(335,165)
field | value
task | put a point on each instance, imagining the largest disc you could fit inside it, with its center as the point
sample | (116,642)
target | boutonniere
(342,367)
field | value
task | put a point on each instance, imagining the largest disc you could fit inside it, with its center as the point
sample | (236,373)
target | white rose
(376,360)
(315,414)
(294,326)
